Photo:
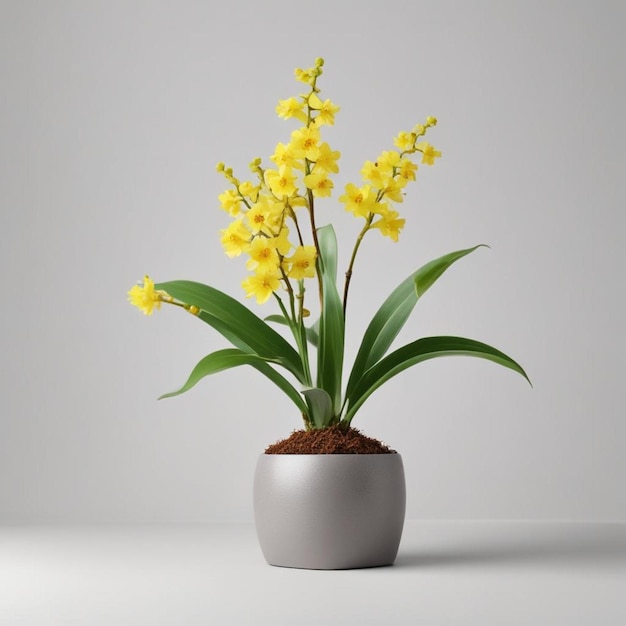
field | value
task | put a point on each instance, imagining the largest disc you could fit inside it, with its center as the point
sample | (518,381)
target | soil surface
(333,440)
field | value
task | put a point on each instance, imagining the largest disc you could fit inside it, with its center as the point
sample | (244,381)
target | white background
(112,118)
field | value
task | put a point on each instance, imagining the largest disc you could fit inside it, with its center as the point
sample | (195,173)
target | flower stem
(316,243)
(291,297)
(298,331)
(303,344)
(295,221)
(357,244)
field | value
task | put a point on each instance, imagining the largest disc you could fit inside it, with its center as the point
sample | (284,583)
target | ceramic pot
(329,511)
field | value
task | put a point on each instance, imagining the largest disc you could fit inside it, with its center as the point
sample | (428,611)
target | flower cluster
(266,224)
(269,211)
(266,212)
(385,180)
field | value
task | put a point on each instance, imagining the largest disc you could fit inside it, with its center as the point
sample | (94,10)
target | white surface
(467,573)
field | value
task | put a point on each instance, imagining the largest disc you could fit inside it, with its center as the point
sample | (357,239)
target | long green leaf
(327,240)
(225,331)
(311,333)
(331,323)
(232,357)
(320,406)
(237,323)
(416,352)
(395,311)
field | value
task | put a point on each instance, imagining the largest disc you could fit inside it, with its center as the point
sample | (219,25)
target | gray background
(112,117)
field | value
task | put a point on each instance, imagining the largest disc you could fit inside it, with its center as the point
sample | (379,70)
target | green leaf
(232,357)
(395,311)
(331,323)
(237,323)
(416,352)
(311,333)
(320,406)
(328,251)
(277,319)
(426,276)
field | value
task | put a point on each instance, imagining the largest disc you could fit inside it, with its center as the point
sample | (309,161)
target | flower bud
(431,121)
(193,309)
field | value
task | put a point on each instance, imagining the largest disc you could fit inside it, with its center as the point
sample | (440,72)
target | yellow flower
(255,165)
(281,241)
(145,297)
(389,224)
(235,239)
(386,161)
(301,264)
(261,286)
(306,76)
(405,141)
(393,190)
(263,256)
(429,154)
(291,107)
(380,208)
(431,121)
(359,200)
(371,173)
(298,201)
(319,184)
(230,202)
(326,110)
(283,155)
(264,216)
(327,159)
(407,169)
(248,190)
(305,142)
(281,182)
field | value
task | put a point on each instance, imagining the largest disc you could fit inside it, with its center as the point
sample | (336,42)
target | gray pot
(329,511)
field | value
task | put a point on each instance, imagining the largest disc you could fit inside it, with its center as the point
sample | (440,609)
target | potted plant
(327,497)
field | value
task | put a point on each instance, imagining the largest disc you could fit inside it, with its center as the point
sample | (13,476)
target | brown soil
(333,440)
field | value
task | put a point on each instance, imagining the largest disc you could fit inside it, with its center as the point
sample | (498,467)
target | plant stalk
(316,243)
(299,334)
(357,245)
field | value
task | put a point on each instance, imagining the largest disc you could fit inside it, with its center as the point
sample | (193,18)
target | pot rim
(349,454)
